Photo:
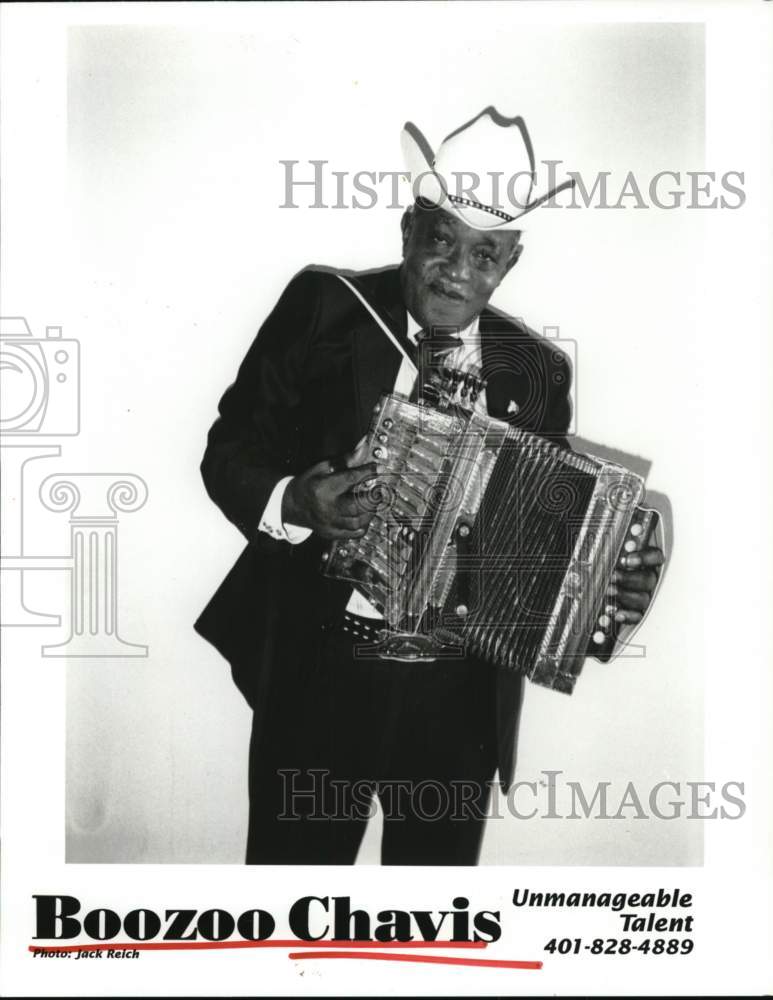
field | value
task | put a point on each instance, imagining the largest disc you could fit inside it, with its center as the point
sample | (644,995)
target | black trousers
(420,736)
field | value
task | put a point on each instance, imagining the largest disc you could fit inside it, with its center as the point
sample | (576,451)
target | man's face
(450,270)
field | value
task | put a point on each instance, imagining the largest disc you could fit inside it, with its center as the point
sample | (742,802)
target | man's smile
(447,292)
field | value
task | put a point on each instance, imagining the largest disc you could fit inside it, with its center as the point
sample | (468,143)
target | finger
(338,463)
(633,579)
(350,504)
(361,503)
(351,521)
(375,493)
(323,468)
(647,557)
(358,454)
(626,617)
(349,478)
(344,515)
(334,532)
(345,527)
(633,600)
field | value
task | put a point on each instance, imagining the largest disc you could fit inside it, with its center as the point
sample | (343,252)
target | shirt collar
(468,334)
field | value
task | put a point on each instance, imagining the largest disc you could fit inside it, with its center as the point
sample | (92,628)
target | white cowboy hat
(483,172)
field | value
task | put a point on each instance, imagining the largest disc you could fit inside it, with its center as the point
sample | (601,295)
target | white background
(159,244)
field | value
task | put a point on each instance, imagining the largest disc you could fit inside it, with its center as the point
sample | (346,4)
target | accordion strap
(391,337)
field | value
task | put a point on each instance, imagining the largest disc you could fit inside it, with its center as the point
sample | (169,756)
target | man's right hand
(325,501)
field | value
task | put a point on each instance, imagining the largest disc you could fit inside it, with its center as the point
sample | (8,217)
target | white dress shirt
(466,358)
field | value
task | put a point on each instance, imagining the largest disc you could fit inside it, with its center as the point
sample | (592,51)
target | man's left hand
(633,582)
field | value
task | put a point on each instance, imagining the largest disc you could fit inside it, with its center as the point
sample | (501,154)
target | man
(282,461)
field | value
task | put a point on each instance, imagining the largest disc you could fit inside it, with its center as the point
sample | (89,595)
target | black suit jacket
(304,392)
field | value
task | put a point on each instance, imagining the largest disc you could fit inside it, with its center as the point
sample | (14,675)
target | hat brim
(429,185)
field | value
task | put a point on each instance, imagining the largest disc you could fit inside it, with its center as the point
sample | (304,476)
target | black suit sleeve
(254,441)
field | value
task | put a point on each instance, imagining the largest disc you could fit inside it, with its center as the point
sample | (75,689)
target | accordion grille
(522,541)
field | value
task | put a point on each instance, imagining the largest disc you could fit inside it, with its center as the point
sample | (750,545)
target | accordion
(489,540)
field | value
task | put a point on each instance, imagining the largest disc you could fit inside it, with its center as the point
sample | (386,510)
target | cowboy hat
(483,172)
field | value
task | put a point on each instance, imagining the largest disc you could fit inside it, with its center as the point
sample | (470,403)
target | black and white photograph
(386,460)
(311,341)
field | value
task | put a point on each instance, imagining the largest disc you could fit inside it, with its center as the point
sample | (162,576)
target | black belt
(373,631)
(363,629)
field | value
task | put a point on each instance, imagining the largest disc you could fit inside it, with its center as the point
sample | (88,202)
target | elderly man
(330,730)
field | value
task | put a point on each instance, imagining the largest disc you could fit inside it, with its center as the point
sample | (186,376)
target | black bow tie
(433,348)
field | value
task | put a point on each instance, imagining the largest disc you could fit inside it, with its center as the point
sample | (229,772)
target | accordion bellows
(489,540)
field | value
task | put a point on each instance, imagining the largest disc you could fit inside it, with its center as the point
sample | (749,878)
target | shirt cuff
(271,521)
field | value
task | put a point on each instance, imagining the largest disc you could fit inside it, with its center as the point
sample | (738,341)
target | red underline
(435,959)
(291,943)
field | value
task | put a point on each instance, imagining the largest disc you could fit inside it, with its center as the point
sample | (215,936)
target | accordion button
(462,610)
(636,529)
(605,621)
(380,453)
(464,530)
(630,545)
(598,638)
(388,423)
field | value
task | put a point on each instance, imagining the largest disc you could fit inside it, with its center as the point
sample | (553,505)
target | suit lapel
(507,386)
(376,360)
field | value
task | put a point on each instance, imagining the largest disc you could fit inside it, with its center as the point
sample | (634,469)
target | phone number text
(620,946)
